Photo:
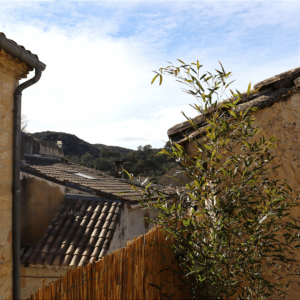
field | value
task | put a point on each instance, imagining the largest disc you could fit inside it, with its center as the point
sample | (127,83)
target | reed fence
(144,269)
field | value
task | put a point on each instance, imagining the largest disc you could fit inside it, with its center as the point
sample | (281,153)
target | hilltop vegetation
(143,161)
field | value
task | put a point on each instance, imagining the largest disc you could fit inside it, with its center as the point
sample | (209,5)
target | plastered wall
(11,71)
(132,224)
(282,119)
(40,200)
(32,278)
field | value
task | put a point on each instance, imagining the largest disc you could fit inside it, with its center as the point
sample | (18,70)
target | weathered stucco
(132,224)
(32,278)
(282,119)
(40,200)
(11,70)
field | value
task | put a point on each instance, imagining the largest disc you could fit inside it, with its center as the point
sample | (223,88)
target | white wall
(131,224)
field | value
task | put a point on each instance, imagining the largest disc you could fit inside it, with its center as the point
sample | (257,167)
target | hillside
(118,149)
(74,146)
(143,161)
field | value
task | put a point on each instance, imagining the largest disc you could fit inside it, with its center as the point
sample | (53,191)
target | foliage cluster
(233,230)
(144,161)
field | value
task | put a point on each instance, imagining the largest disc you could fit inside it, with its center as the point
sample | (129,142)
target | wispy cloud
(100,57)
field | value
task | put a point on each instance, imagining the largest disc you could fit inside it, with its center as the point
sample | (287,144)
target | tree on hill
(87,160)
(102,157)
(104,164)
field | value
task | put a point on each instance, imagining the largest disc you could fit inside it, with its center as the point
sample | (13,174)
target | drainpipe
(16,181)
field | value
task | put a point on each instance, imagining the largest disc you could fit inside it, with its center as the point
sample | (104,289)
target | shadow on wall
(40,200)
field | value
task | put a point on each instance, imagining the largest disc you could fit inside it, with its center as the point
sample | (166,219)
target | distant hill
(74,146)
(118,149)
(139,162)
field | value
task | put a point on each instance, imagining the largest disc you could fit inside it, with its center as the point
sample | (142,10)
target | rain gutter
(29,59)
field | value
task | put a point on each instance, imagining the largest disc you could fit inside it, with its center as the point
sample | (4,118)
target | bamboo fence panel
(144,269)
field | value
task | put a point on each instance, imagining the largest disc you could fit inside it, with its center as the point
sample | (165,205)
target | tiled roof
(166,180)
(271,90)
(35,55)
(25,253)
(103,184)
(80,232)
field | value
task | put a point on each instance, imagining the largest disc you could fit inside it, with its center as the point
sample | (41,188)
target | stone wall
(11,71)
(33,146)
(32,278)
(40,200)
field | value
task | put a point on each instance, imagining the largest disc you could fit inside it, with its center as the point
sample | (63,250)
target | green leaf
(233,113)
(249,88)
(200,86)
(160,79)
(222,67)
(181,61)
(229,84)
(154,78)
(203,76)
(247,144)
(213,153)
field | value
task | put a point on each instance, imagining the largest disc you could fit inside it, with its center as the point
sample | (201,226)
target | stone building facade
(278,103)
(11,71)
(72,215)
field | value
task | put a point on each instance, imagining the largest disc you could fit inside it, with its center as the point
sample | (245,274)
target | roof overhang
(20,53)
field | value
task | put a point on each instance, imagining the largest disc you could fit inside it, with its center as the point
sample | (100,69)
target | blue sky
(100,57)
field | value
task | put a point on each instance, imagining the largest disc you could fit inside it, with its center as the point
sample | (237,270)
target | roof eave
(16,51)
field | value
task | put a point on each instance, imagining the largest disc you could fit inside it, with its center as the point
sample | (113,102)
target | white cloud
(97,83)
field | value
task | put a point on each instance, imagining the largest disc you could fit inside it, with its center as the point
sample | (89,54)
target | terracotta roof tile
(97,251)
(100,223)
(84,260)
(49,259)
(40,258)
(100,242)
(66,261)
(75,260)
(106,243)
(96,232)
(35,55)
(32,257)
(53,248)
(71,250)
(88,231)
(25,253)
(103,233)
(78,234)
(102,253)
(272,90)
(104,185)
(83,241)
(57,260)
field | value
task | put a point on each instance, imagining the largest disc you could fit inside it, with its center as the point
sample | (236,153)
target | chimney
(118,168)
